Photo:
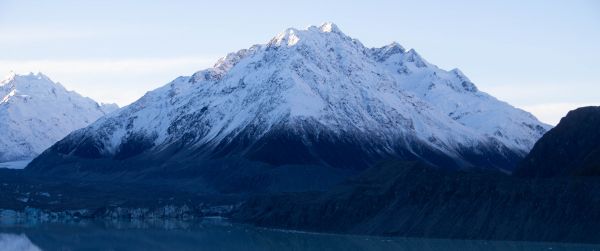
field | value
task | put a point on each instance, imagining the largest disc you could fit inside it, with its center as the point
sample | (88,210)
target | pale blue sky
(538,55)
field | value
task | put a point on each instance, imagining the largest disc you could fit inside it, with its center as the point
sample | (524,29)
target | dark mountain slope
(572,148)
(413,199)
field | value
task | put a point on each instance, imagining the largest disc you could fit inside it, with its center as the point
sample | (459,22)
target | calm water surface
(216,234)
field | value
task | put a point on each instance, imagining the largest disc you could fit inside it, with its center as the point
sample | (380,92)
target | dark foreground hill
(572,148)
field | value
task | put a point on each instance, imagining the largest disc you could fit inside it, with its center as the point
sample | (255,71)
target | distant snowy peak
(31,84)
(35,112)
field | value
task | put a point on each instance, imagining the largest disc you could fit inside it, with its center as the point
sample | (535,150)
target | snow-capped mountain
(36,112)
(307,97)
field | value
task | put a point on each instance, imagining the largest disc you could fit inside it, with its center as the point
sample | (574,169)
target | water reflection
(217,234)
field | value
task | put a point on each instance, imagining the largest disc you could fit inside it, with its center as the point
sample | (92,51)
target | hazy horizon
(540,56)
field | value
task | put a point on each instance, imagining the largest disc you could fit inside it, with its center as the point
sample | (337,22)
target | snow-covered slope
(313,96)
(36,112)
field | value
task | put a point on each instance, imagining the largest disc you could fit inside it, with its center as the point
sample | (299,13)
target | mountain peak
(288,38)
(30,83)
(38,75)
(33,76)
(395,45)
(311,96)
(383,53)
(329,27)
(292,36)
(11,75)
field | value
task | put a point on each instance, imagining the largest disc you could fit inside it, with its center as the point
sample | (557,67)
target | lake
(218,234)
